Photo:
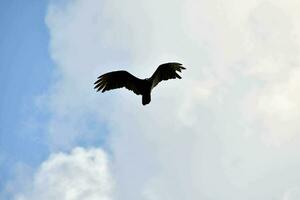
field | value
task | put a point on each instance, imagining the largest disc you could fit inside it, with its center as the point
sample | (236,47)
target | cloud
(208,136)
(292,194)
(82,174)
(276,105)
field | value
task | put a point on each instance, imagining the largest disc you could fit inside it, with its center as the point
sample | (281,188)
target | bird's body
(146,95)
(119,79)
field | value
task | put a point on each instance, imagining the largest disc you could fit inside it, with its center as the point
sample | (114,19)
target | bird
(119,79)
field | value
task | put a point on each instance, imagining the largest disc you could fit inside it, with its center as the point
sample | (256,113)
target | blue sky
(25,73)
(229,129)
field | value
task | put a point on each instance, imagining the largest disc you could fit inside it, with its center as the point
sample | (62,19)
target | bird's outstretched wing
(118,79)
(166,71)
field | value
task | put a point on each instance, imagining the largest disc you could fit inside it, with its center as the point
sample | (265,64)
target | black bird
(119,79)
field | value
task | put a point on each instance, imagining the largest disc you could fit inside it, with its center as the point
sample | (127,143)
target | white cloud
(292,194)
(82,174)
(206,136)
(277,107)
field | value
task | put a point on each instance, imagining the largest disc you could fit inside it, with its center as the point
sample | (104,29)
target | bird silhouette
(119,79)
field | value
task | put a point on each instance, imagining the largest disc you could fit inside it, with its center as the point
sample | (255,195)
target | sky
(25,73)
(227,131)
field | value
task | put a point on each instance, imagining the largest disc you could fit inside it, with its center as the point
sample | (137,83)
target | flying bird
(119,79)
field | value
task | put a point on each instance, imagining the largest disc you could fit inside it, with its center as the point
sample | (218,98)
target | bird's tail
(146,99)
